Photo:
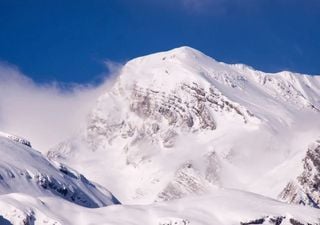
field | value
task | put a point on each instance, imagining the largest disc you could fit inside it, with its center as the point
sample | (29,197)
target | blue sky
(69,41)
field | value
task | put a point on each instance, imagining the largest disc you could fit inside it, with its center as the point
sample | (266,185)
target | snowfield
(179,139)
(221,207)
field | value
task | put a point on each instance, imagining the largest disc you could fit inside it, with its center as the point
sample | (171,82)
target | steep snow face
(222,207)
(179,122)
(24,170)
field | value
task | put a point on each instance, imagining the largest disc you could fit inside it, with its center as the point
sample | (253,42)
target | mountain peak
(184,55)
(164,70)
(186,50)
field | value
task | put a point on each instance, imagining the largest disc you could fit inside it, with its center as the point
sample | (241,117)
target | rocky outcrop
(305,189)
(276,220)
(189,180)
(16,139)
(186,181)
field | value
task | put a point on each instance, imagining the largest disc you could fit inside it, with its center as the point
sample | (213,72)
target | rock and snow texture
(305,189)
(24,170)
(177,123)
(16,139)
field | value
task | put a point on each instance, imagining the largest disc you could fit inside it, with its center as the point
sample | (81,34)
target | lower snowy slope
(24,170)
(222,207)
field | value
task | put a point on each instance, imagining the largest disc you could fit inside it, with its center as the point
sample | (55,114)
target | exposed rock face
(16,139)
(306,189)
(30,219)
(186,181)
(188,108)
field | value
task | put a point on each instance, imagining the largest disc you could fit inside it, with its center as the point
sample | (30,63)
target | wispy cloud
(47,113)
(216,7)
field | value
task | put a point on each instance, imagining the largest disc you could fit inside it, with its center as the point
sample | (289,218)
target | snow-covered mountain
(178,122)
(24,170)
(179,139)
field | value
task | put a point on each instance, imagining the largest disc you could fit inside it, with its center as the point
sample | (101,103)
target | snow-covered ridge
(16,139)
(24,170)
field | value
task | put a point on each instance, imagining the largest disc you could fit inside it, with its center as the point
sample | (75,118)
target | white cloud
(45,114)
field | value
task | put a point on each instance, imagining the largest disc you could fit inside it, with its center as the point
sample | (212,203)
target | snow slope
(222,207)
(24,170)
(178,122)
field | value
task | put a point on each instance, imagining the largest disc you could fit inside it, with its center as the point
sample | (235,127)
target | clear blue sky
(68,40)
